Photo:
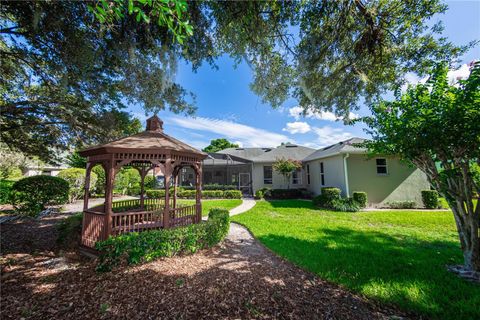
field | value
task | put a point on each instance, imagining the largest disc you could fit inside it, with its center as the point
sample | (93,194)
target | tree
(65,63)
(436,126)
(286,167)
(219,144)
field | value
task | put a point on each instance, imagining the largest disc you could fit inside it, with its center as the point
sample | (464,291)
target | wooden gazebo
(145,151)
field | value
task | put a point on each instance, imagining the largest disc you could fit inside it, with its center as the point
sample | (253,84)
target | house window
(381,166)
(308,173)
(297,177)
(267,175)
(322,174)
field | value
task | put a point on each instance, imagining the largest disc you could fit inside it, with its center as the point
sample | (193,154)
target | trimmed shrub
(76,181)
(135,248)
(127,179)
(345,205)
(218,187)
(32,194)
(187,194)
(99,186)
(402,204)
(361,198)
(155,194)
(5,190)
(430,199)
(232,194)
(331,193)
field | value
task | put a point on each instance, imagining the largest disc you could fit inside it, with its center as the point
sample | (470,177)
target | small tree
(436,126)
(219,144)
(76,181)
(286,167)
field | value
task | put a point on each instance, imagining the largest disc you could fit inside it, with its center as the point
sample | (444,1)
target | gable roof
(288,151)
(151,140)
(245,153)
(342,147)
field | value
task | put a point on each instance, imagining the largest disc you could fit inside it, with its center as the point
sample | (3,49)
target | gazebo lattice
(144,151)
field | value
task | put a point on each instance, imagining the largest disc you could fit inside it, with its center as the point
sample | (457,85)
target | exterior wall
(39,171)
(399,184)
(278,181)
(333,172)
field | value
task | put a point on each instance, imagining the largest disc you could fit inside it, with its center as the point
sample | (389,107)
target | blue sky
(228,109)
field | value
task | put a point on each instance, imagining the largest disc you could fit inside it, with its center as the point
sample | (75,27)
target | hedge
(361,198)
(330,198)
(214,186)
(134,248)
(430,199)
(190,194)
(32,194)
(407,204)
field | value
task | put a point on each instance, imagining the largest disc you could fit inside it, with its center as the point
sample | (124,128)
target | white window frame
(267,180)
(381,166)
(298,178)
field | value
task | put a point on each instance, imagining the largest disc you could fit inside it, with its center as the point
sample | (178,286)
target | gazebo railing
(128,216)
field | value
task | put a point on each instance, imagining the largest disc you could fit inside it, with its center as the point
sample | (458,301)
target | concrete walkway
(247,204)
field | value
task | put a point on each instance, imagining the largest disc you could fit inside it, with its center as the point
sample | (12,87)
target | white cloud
(297,113)
(245,135)
(453,76)
(328,135)
(297,127)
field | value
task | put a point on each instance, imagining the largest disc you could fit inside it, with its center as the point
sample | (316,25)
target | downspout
(345,169)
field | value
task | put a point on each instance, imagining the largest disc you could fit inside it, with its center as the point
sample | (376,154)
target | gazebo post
(143,173)
(110,179)
(87,186)
(198,193)
(167,173)
(175,182)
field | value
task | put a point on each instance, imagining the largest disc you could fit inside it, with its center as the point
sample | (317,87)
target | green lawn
(209,204)
(397,257)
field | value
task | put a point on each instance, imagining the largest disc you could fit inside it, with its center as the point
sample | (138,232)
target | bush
(345,205)
(186,194)
(99,186)
(76,180)
(327,197)
(232,194)
(135,248)
(284,194)
(127,179)
(32,194)
(430,199)
(360,198)
(155,194)
(259,194)
(402,204)
(218,187)
(331,193)
(5,190)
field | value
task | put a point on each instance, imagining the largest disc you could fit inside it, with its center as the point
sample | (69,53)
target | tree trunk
(468,231)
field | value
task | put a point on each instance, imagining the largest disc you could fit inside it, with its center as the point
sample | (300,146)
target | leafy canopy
(436,126)
(65,63)
(219,144)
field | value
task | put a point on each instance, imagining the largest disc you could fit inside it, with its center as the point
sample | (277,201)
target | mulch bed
(237,280)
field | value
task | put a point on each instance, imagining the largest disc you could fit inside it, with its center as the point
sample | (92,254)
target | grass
(396,257)
(214,203)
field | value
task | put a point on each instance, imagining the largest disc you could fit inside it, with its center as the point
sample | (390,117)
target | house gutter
(345,169)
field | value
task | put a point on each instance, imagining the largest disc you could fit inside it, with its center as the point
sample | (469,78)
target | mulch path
(239,279)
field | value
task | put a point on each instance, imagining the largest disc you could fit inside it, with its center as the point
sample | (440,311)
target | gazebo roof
(152,140)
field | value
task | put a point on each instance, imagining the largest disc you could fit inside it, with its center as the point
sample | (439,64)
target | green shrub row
(31,195)
(135,248)
(430,199)
(190,194)
(407,204)
(214,186)
(286,193)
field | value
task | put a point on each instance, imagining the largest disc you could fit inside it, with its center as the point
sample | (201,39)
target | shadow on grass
(395,269)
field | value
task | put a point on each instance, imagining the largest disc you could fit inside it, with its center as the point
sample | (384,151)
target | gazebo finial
(154,123)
